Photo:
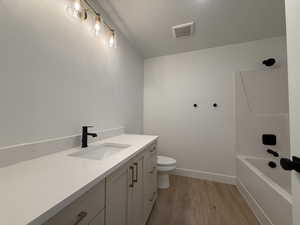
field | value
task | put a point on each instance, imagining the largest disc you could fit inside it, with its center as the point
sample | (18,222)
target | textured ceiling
(218,22)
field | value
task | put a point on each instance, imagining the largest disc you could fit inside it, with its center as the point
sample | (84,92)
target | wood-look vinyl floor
(198,202)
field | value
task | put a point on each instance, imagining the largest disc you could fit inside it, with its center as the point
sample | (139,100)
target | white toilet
(164,166)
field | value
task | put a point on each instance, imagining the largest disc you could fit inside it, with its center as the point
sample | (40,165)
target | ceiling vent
(183,30)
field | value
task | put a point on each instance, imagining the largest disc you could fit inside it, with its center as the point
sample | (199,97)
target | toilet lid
(165,161)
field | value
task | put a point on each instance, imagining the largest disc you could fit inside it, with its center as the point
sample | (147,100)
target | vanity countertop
(33,191)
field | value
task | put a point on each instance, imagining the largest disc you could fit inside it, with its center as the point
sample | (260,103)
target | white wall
(56,76)
(201,139)
(262,107)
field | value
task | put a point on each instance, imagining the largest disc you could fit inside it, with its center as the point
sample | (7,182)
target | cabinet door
(130,205)
(138,193)
(150,180)
(117,199)
(99,219)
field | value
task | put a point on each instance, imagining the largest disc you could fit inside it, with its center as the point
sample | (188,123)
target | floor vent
(183,30)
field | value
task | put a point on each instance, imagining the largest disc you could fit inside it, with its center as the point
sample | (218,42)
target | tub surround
(262,108)
(37,189)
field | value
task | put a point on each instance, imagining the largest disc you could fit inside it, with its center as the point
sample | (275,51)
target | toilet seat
(165,164)
(165,161)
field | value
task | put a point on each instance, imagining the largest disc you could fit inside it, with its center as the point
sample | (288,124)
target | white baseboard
(217,177)
(253,204)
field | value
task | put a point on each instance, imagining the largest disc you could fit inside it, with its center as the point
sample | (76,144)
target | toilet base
(163,180)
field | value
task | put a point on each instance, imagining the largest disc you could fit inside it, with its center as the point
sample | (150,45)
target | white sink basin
(100,152)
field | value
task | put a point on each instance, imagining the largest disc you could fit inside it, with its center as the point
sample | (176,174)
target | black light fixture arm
(93,10)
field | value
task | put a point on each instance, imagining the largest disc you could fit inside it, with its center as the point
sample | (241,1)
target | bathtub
(267,190)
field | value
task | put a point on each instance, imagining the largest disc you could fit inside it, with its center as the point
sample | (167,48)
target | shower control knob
(288,164)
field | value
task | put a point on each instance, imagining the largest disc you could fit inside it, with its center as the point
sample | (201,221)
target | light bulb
(77,5)
(111,41)
(98,24)
(77,11)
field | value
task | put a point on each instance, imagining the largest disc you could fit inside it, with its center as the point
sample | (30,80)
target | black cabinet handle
(153,149)
(80,217)
(132,174)
(288,164)
(136,165)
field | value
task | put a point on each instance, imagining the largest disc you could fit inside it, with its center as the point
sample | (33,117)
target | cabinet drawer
(83,209)
(99,219)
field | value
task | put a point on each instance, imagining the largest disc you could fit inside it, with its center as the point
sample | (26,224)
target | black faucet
(85,135)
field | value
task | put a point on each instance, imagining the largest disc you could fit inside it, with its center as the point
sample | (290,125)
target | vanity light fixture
(80,8)
(112,39)
(77,11)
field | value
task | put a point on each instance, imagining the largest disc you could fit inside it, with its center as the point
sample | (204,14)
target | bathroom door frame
(293,46)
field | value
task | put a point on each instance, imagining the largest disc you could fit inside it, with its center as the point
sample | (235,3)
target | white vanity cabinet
(118,188)
(150,180)
(136,205)
(99,219)
(124,197)
(129,187)
(86,210)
